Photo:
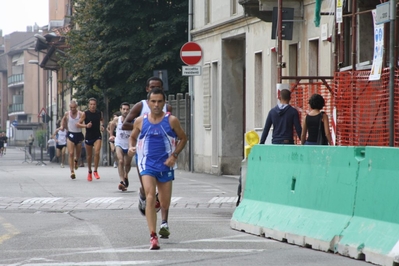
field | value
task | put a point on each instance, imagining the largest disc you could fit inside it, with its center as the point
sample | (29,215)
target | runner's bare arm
(102,122)
(64,121)
(81,123)
(181,135)
(134,136)
(182,140)
(112,126)
(133,114)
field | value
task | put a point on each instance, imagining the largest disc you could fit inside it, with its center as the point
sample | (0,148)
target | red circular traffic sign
(191,53)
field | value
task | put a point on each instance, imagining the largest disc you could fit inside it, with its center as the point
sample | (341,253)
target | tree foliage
(115,45)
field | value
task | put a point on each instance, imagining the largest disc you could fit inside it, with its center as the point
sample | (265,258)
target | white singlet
(122,136)
(72,123)
(61,137)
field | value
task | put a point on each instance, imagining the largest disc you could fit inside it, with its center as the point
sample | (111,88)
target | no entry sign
(191,53)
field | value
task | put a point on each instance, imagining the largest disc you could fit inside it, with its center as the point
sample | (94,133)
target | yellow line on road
(10,229)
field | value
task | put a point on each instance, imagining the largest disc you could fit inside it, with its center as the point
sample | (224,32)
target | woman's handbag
(321,138)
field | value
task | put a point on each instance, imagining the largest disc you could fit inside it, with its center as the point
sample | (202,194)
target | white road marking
(103,200)
(223,199)
(92,263)
(40,200)
(168,250)
(175,199)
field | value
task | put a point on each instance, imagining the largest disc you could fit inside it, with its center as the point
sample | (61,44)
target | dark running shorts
(76,138)
(60,147)
(91,142)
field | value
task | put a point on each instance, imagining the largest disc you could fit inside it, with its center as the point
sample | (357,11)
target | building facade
(239,82)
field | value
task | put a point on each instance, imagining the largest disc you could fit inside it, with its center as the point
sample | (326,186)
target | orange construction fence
(358,109)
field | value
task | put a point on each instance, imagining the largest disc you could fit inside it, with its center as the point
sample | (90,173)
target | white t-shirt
(51,143)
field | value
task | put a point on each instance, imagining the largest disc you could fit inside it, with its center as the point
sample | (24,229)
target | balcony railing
(15,79)
(15,107)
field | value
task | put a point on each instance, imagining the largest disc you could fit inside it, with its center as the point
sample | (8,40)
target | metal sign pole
(392,71)
(191,90)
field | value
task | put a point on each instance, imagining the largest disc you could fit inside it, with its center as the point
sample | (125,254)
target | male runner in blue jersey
(158,138)
(137,110)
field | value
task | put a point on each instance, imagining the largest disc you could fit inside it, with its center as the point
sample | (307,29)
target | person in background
(31,139)
(5,139)
(82,156)
(60,136)
(284,118)
(112,142)
(1,143)
(313,119)
(51,148)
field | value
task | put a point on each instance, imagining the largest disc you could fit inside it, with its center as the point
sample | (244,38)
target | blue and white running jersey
(155,144)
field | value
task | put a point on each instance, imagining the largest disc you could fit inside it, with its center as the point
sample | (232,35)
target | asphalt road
(48,219)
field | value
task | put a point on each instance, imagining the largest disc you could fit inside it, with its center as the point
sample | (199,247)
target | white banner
(376,69)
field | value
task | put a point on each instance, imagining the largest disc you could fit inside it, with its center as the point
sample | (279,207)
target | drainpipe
(354,16)
(191,90)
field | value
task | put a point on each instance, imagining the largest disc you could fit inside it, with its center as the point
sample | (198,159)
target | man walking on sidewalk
(158,139)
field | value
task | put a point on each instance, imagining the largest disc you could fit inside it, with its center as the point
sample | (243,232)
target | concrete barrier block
(373,232)
(300,194)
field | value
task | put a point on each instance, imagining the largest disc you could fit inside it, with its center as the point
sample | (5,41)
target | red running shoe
(154,243)
(96,175)
(89,177)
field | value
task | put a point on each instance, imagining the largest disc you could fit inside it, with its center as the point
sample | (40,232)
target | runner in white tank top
(72,127)
(74,135)
(121,146)
(122,136)
(61,144)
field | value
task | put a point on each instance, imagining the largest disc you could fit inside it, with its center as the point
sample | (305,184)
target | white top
(122,136)
(146,109)
(61,137)
(51,143)
(72,123)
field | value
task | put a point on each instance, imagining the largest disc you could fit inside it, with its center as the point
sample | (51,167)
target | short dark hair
(154,78)
(92,99)
(125,103)
(117,113)
(156,90)
(316,101)
(285,94)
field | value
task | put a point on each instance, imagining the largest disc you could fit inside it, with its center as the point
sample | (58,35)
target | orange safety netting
(361,107)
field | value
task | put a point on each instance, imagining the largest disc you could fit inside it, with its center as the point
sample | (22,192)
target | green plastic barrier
(323,197)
